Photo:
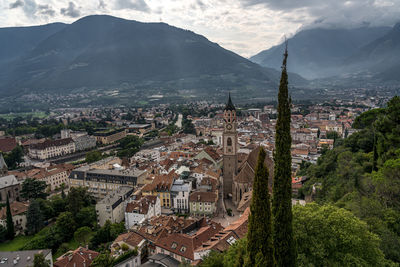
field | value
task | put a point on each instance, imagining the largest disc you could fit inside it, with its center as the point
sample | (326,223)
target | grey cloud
(70,11)
(102,5)
(139,5)
(46,10)
(16,4)
(336,13)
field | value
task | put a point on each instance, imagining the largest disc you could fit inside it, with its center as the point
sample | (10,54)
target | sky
(243,26)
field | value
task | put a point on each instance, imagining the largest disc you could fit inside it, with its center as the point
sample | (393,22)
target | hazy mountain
(319,53)
(380,57)
(102,51)
(17,41)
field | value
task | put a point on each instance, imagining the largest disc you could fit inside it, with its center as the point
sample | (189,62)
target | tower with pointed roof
(230,161)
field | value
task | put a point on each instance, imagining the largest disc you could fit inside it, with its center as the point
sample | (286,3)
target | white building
(140,210)
(112,207)
(180,192)
(52,148)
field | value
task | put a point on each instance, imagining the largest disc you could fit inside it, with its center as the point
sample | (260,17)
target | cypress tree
(284,248)
(260,246)
(9,221)
(375,158)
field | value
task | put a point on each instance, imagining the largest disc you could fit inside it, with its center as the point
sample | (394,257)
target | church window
(229,141)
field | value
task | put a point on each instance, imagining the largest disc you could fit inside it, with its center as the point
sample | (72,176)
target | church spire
(229,105)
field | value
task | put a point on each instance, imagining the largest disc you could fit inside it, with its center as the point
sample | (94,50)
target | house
(161,187)
(80,257)
(112,207)
(210,154)
(7,144)
(182,246)
(139,210)
(161,260)
(131,239)
(23,258)
(18,212)
(9,186)
(180,192)
(203,203)
(55,176)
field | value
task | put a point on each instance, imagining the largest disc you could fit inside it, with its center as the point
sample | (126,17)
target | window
(229,141)
(183,249)
(174,245)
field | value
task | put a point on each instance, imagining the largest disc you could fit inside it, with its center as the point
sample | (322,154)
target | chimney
(198,197)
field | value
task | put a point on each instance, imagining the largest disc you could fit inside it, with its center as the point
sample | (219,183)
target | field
(16,244)
(11,116)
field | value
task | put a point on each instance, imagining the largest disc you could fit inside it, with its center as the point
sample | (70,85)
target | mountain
(317,53)
(107,52)
(18,41)
(380,57)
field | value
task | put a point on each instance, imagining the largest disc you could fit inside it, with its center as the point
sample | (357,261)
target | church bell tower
(230,147)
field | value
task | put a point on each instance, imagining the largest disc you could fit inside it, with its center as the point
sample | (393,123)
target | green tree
(77,198)
(40,261)
(3,233)
(93,156)
(32,189)
(259,233)
(129,146)
(86,216)
(387,183)
(103,260)
(65,225)
(284,246)
(9,221)
(34,218)
(330,236)
(14,158)
(82,235)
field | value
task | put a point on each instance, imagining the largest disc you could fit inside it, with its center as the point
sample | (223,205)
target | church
(238,178)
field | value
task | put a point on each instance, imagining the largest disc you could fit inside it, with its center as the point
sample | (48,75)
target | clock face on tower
(229,126)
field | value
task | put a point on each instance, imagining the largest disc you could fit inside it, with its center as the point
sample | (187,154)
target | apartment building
(101,182)
(51,149)
(112,207)
(55,175)
(108,137)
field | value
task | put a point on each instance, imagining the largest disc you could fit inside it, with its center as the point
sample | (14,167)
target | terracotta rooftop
(203,197)
(52,143)
(80,257)
(7,144)
(141,206)
(16,209)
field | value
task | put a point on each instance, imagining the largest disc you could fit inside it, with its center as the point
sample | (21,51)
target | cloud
(16,4)
(102,5)
(46,10)
(70,11)
(139,5)
(336,13)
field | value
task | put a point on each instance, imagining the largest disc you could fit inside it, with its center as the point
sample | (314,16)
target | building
(132,239)
(161,187)
(23,258)
(101,182)
(3,166)
(112,207)
(9,186)
(133,261)
(55,176)
(7,144)
(51,149)
(108,137)
(161,260)
(80,257)
(203,203)
(18,212)
(230,145)
(182,246)
(180,192)
(139,210)
(243,181)
(84,142)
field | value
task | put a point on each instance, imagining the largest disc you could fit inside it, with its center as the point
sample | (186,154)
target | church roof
(229,105)
(3,164)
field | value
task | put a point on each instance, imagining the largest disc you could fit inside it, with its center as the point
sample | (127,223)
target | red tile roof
(7,144)
(81,257)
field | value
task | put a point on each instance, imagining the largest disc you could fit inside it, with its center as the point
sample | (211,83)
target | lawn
(16,244)
(36,114)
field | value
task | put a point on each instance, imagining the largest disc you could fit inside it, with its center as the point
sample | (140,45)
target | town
(165,184)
